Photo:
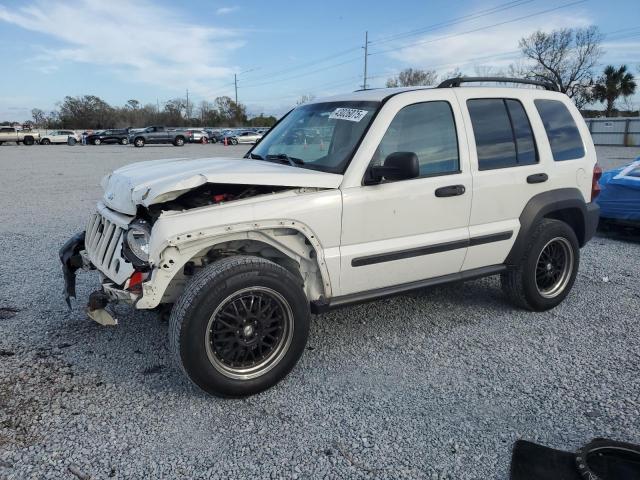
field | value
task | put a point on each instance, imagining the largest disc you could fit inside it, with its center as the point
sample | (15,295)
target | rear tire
(124,141)
(97,141)
(178,142)
(139,142)
(28,141)
(547,271)
(240,326)
(234,141)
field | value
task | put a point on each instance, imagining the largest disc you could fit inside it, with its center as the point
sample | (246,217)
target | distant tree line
(92,112)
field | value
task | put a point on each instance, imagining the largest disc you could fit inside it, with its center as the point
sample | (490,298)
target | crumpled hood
(156,181)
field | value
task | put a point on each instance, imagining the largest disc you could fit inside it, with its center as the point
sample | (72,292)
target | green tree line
(91,112)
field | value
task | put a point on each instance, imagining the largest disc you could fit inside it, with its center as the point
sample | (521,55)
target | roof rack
(455,82)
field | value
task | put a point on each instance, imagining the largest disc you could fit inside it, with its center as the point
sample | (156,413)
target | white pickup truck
(12,134)
(346,199)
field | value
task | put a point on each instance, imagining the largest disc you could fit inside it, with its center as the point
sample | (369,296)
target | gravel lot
(435,384)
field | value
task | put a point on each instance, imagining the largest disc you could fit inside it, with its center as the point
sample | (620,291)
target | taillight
(595,185)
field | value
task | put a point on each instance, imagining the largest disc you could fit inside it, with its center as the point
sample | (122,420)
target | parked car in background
(120,136)
(158,134)
(229,136)
(619,198)
(197,136)
(60,136)
(247,136)
(215,136)
(12,134)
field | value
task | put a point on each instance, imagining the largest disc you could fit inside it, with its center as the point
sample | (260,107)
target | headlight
(136,244)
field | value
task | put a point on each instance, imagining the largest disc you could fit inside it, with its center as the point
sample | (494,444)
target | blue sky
(155,49)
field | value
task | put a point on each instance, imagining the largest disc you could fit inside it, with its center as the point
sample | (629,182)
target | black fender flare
(566,204)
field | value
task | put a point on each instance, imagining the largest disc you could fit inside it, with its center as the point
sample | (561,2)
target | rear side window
(502,132)
(563,134)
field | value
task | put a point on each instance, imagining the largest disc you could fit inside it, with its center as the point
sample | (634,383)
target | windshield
(320,136)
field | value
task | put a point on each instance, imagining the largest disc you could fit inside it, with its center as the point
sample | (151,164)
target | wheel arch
(564,204)
(292,247)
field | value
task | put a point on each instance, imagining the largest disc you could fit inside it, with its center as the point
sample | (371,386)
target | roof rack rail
(455,82)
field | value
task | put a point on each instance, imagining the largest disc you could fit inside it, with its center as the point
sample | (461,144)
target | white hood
(157,181)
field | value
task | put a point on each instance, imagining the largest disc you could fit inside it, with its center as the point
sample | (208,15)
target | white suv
(347,199)
(60,136)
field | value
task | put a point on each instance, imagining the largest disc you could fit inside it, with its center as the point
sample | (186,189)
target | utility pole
(187,112)
(235,82)
(366,55)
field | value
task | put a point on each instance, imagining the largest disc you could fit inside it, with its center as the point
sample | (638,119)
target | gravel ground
(434,384)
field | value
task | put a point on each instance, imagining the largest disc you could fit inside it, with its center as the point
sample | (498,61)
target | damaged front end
(102,247)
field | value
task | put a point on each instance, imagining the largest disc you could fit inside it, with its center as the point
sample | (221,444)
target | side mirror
(397,166)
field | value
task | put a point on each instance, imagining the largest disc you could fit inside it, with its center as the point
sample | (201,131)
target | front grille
(103,243)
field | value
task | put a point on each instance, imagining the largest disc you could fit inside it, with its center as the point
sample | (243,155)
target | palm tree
(613,84)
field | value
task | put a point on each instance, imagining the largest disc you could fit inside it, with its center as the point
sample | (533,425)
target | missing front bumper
(73,257)
(71,261)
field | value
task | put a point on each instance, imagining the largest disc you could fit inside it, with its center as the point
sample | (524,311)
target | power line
(455,21)
(542,12)
(269,82)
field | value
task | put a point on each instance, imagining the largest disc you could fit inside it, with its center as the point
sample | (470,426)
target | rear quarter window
(562,132)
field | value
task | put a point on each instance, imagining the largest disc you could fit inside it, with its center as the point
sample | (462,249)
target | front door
(404,231)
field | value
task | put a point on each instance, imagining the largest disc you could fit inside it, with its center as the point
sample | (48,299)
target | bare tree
(39,117)
(410,77)
(565,58)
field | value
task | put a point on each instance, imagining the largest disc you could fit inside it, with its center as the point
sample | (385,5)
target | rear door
(404,231)
(157,135)
(508,168)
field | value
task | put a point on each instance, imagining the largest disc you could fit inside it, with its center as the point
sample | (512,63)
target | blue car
(619,199)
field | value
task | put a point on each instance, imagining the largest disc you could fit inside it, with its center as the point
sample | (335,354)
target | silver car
(247,136)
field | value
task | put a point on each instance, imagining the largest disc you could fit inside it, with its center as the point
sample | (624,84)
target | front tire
(124,141)
(45,141)
(139,142)
(234,141)
(240,326)
(179,142)
(97,141)
(548,269)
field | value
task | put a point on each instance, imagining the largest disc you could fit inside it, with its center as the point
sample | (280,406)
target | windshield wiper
(293,161)
(255,156)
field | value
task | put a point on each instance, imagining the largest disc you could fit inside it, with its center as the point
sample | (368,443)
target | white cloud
(226,10)
(497,46)
(138,40)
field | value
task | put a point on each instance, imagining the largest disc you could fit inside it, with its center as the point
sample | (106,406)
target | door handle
(450,191)
(537,178)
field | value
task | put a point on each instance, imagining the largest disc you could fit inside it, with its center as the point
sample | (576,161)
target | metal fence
(624,132)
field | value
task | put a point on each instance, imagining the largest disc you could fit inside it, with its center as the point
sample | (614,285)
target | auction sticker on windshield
(351,114)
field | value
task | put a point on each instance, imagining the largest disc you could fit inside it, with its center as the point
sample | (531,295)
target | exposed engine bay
(207,195)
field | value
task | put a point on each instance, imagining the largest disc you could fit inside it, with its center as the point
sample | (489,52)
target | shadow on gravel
(8,312)
(624,232)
